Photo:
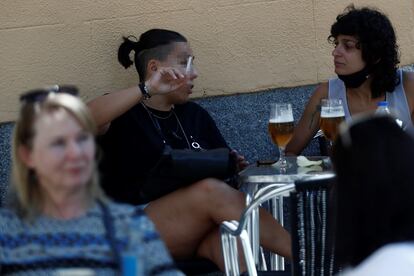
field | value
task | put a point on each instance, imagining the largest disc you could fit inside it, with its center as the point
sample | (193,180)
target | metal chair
(231,231)
(310,223)
(311,214)
(275,206)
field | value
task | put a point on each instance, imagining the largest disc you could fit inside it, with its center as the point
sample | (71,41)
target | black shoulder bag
(178,168)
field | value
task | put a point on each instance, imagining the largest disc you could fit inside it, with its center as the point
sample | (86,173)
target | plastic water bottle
(131,263)
(382,108)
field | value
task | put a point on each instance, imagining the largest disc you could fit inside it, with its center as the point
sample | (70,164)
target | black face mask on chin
(356,79)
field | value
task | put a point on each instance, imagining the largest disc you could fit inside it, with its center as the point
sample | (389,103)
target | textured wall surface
(240,45)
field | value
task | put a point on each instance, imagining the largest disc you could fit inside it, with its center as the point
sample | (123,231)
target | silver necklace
(154,118)
(182,130)
(157,116)
(194,145)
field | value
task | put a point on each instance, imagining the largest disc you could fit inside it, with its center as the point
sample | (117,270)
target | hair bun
(125,49)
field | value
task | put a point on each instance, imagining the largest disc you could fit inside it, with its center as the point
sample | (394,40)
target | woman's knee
(209,185)
(213,189)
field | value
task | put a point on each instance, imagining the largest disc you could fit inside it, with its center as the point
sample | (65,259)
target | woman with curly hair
(365,56)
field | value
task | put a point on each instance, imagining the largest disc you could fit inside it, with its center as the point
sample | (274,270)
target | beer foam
(327,112)
(282,119)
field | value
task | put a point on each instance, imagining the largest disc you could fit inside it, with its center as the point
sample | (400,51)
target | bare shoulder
(321,91)
(322,88)
(408,80)
(408,83)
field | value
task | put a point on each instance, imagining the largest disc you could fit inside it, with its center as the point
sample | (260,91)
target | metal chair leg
(225,244)
(277,262)
(248,256)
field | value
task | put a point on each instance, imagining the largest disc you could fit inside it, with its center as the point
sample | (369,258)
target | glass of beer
(281,129)
(332,115)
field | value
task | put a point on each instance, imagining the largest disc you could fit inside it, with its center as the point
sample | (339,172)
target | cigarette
(189,63)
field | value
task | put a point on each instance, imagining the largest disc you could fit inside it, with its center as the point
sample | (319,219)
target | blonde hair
(24,182)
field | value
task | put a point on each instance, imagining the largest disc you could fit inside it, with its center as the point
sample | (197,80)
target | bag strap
(110,232)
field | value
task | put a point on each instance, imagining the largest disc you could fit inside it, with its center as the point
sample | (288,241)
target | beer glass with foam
(281,128)
(332,115)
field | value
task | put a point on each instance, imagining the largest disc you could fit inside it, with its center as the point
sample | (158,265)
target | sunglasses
(39,95)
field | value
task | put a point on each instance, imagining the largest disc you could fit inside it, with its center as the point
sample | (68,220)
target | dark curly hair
(377,41)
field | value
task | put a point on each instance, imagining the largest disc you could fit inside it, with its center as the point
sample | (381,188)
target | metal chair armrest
(231,230)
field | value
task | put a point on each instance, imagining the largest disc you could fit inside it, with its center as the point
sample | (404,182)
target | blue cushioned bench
(241,118)
(5,157)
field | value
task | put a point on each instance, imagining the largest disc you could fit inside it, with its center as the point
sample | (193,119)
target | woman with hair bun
(187,218)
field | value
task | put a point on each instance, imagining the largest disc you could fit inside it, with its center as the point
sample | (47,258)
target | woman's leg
(210,248)
(187,219)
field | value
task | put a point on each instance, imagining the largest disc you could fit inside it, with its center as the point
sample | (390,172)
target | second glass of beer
(281,128)
(332,115)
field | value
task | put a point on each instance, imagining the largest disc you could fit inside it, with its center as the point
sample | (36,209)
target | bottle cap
(382,103)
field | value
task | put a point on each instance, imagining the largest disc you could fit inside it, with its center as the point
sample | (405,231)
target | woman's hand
(241,161)
(165,80)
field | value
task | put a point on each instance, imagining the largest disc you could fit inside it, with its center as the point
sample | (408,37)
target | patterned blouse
(47,246)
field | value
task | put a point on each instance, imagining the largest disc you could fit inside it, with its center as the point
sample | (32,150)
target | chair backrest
(311,214)
(230,230)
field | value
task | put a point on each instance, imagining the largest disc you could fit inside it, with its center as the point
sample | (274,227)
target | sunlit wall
(240,45)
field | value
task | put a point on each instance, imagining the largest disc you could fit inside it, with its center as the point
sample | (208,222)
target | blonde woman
(56,217)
